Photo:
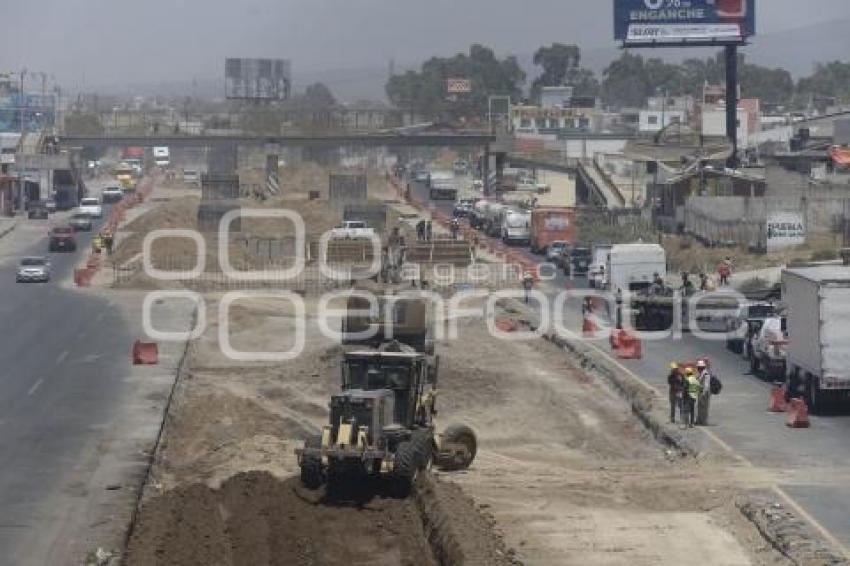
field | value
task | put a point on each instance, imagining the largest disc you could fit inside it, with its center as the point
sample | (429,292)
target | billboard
(681,22)
(785,229)
(458,85)
(257,79)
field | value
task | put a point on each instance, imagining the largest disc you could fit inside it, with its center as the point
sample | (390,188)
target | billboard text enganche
(679,22)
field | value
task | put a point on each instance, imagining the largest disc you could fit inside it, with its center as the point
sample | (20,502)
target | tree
(424,93)
(585,83)
(319,95)
(560,64)
(831,80)
(625,82)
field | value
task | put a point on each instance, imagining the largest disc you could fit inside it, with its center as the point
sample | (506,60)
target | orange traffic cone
(798,414)
(777,400)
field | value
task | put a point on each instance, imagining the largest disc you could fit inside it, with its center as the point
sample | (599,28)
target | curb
(5,232)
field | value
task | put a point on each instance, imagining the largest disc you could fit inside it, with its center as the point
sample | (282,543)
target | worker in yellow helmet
(692,392)
(676,387)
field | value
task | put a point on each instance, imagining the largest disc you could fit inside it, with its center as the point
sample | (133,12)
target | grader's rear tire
(462,435)
(312,472)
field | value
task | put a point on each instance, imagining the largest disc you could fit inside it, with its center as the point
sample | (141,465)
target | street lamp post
(21,101)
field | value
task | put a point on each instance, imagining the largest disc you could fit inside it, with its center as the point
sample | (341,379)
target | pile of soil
(257,519)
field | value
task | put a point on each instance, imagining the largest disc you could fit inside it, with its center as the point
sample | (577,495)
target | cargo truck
(551,225)
(632,267)
(515,226)
(443,186)
(818,350)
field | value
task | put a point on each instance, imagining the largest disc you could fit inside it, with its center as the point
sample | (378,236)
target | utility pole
(732,103)
(21,102)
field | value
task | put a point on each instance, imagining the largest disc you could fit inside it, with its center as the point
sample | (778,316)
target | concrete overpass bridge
(429,139)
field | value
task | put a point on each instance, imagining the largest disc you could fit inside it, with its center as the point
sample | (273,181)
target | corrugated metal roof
(823,273)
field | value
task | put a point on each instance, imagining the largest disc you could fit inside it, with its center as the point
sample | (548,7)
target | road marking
(782,494)
(35,387)
(61,357)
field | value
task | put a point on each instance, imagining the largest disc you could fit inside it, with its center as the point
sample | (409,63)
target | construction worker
(687,284)
(675,387)
(428,231)
(107,241)
(420,230)
(690,395)
(724,270)
(96,244)
(527,284)
(703,282)
(455,228)
(704,399)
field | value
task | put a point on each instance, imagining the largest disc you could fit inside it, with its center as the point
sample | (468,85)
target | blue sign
(683,22)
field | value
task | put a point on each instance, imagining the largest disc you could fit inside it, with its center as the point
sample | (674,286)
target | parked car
(770,349)
(576,261)
(352,230)
(33,270)
(746,324)
(92,207)
(463,208)
(111,195)
(62,239)
(555,249)
(37,210)
(81,222)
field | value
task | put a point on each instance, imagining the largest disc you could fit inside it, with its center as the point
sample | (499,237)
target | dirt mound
(256,519)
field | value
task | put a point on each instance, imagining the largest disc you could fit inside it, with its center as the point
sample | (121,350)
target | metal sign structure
(645,23)
(257,79)
(458,86)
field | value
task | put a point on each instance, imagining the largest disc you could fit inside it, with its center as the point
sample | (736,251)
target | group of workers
(103,240)
(690,389)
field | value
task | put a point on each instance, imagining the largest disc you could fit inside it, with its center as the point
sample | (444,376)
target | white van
(596,272)
(631,267)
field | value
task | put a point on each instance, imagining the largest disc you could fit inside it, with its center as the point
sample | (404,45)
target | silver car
(33,270)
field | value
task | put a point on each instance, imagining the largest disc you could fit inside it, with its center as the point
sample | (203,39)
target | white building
(556,96)
(714,123)
(652,121)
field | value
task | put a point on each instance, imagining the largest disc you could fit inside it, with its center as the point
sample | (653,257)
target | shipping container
(552,225)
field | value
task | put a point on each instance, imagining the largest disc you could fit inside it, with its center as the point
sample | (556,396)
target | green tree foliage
(631,79)
(829,80)
(424,93)
(318,95)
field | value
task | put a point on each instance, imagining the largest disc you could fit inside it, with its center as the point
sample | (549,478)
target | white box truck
(818,311)
(631,267)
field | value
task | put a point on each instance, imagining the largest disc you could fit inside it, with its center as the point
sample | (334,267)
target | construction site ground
(565,474)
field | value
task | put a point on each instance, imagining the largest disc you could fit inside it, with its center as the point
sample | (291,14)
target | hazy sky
(120,41)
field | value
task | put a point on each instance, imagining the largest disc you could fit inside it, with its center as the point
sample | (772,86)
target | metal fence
(316,279)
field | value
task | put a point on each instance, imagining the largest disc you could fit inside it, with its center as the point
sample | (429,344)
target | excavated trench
(256,519)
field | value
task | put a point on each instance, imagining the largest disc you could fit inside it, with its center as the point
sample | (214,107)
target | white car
(352,229)
(33,270)
(91,206)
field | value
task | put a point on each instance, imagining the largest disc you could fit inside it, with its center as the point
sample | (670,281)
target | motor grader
(382,423)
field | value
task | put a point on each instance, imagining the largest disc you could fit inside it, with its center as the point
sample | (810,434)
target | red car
(62,238)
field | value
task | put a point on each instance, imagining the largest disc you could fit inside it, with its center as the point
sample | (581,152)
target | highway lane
(63,357)
(811,466)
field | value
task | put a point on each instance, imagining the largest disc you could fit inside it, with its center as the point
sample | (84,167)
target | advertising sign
(682,22)
(458,86)
(785,229)
(257,79)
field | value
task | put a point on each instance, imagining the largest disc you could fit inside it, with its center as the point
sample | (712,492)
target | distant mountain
(797,50)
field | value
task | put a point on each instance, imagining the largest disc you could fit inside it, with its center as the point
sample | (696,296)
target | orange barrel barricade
(145,353)
(589,327)
(630,347)
(777,400)
(614,338)
(798,414)
(82,277)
